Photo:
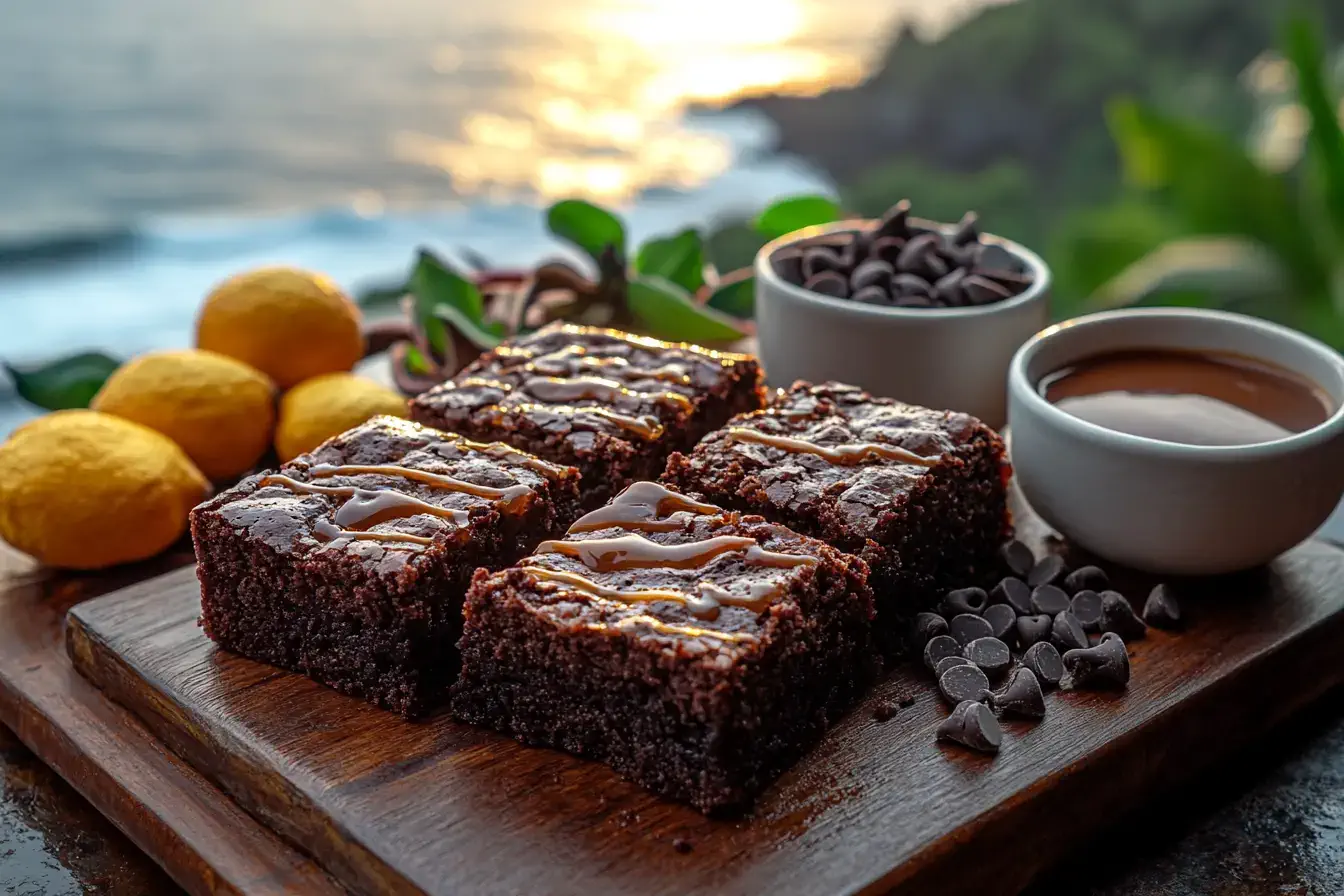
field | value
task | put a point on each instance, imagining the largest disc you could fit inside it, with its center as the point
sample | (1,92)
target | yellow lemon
(289,324)
(220,411)
(84,490)
(325,406)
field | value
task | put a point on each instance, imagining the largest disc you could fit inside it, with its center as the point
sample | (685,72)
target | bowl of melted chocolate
(1179,441)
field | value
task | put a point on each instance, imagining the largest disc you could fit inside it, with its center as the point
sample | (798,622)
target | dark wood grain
(389,806)
(200,836)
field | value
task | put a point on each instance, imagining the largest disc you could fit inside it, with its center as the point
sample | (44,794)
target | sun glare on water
(601,112)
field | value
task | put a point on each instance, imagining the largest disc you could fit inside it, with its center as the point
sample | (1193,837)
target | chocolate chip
(931,265)
(948,288)
(972,725)
(1013,592)
(915,255)
(1022,696)
(990,654)
(1086,578)
(820,259)
(788,264)
(966,230)
(913,302)
(1049,599)
(964,600)
(910,285)
(964,682)
(983,291)
(1042,658)
(948,662)
(1048,571)
(1003,619)
(907,702)
(1086,605)
(896,221)
(966,627)
(1118,616)
(682,845)
(1161,609)
(1066,633)
(860,244)
(940,646)
(828,283)
(1031,629)
(887,248)
(994,259)
(1017,557)
(1103,666)
(884,711)
(927,626)
(871,273)
(872,295)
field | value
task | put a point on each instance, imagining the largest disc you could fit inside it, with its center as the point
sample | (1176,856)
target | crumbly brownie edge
(714,747)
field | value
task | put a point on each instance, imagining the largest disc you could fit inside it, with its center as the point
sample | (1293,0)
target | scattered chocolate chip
(966,682)
(1049,599)
(1048,571)
(896,221)
(1017,557)
(887,248)
(1103,666)
(828,283)
(884,711)
(820,259)
(1086,605)
(872,295)
(965,231)
(1042,658)
(1118,616)
(915,255)
(910,285)
(1031,629)
(1013,592)
(948,288)
(964,600)
(1161,609)
(1022,696)
(928,625)
(682,845)
(871,273)
(1003,619)
(990,654)
(995,259)
(971,724)
(788,264)
(940,646)
(1086,578)
(948,662)
(983,291)
(1066,633)
(966,627)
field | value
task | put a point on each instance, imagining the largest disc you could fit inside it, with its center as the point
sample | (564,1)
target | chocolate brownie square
(919,494)
(349,564)
(612,404)
(698,652)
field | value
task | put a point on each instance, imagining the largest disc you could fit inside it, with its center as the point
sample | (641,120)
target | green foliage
(735,297)
(444,297)
(794,213)
(588,226)
(66,383)
(679,259)
(668,312)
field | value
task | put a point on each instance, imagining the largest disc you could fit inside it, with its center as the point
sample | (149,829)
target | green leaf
(795,213)
(1225,269)
(1216,188)
(66,383)
(668,312)
(437,287)
(735,297)
(416,362)
(680,259)
(375,296)
(587,226)
(482,334)
(1325,141)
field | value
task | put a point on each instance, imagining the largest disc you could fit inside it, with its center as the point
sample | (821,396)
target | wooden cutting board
(388,806)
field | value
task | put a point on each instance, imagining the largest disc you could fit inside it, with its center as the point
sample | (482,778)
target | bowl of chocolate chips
(924,312)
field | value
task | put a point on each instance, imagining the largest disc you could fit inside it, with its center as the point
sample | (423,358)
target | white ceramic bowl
(945,358)
(1166,507)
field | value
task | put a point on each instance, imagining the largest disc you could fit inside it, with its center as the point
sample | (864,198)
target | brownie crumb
(682,845)
(907,702)
(884,711)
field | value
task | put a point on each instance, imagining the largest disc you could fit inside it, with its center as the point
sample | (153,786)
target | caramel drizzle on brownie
(643,507)
(841,455)
(507,454)
(594,388)
(365,508)
(668,628)
(627,552)
(513,499)
(646,427)
(575,358)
